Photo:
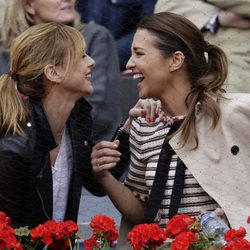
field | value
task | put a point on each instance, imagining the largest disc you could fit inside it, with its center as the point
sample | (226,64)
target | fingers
(148,108)
(105,156)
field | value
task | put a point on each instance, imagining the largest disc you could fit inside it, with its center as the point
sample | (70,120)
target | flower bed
(181,233)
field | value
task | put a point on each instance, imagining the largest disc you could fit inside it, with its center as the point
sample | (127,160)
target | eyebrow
(136,48)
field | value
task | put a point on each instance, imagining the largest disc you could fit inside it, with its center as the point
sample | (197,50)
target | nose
(130,64)
(91,62)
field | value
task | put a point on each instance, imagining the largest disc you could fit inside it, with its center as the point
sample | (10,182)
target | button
(235,150)
(114,1)
(29,124)
(85,143)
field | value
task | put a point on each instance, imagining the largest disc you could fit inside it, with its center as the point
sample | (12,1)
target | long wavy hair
(206,66)
(38,46)
(16,20)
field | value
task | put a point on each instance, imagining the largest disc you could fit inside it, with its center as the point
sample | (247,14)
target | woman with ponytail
(45,126)
(18,15)
(194,156)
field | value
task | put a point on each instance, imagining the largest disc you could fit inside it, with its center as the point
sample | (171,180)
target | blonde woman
(195,156)
(21,14)
(45,138)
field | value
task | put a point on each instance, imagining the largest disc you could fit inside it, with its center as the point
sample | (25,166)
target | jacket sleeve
(89,181)
(197,11)
(123,164)
(241,7)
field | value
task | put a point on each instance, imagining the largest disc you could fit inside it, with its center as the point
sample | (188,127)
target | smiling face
(79,80)
(148,65)
(42,11)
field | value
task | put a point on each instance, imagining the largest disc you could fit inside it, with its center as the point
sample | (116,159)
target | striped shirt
(146,140)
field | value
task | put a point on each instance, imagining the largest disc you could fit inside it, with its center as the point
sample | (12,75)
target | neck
(173,99)
(58,109)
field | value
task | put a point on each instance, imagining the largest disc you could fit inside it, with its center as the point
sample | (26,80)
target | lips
(138,76)
(70,7)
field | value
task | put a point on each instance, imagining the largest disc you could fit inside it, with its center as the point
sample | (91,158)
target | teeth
(136,76)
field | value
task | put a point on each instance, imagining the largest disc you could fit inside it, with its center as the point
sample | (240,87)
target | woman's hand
(148,108)
(104,157)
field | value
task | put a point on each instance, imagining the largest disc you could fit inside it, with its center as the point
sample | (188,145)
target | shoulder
(14,145)
(148,130)
(238,103)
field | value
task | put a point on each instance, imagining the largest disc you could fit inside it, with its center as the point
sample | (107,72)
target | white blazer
(221,163)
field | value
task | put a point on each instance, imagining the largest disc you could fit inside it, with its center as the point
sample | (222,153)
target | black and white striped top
(146,140)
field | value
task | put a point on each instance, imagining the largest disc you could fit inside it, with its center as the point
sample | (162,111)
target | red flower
(178,224)
(104,232)
(71,227)
(90,243)
(233,234)
(146,235)
(54,233)
(105,225)
(248,219)
(4,218)
(183,240)
(239,244)
(8,238)
(179,244)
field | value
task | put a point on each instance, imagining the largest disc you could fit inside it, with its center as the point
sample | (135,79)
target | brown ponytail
(206,66)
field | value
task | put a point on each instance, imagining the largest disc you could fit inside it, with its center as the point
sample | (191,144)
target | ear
(178,59)
(29,8)
(52,74)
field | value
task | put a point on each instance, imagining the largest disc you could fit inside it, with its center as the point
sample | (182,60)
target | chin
(144,95)
(89,91)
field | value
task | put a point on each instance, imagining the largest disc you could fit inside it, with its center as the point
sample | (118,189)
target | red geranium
(233,234)
(8,238)
(4,218)
(104,232)
(55,234)
(183,240)
(146,236)
(178,224)
(239,244)
(235,240)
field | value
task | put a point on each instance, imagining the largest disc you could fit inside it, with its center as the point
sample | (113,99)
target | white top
(61,177)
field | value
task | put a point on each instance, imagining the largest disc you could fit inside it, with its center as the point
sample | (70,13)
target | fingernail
(143,112)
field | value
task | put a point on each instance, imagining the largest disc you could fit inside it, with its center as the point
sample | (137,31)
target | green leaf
(22,231)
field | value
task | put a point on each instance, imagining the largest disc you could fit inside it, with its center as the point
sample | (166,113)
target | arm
(200,12)
(104,157)
(241,7)
(196,11)
(109,155)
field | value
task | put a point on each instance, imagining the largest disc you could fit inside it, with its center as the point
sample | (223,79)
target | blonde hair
(38,46)
(16,20)
(176,33)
